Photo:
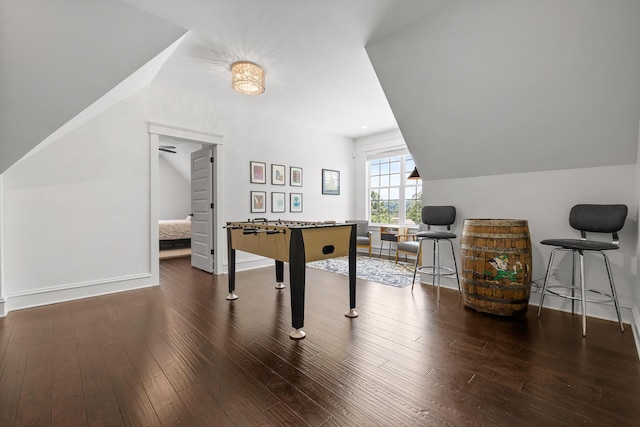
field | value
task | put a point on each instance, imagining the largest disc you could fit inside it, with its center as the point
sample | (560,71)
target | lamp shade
(247,78)
(414,174)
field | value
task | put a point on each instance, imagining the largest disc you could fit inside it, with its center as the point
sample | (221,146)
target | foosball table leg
(231,258)
(279,275)
(297,334)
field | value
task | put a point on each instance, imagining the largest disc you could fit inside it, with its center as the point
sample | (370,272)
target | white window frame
(403,175)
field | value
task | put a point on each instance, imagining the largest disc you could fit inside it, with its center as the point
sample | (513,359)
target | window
(393,199)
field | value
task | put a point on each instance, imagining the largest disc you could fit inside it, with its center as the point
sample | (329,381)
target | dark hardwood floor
(182,354)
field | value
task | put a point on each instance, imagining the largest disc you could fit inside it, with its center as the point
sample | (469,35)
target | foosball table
(296,243)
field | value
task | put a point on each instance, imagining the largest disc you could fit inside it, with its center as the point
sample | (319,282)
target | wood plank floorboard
(181,354)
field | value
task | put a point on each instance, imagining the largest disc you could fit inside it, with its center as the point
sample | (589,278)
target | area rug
(376,270)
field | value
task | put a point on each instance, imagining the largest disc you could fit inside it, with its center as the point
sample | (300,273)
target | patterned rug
(376,270)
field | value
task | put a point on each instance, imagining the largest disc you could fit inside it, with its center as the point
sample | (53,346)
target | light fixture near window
(247,78)
(414,174)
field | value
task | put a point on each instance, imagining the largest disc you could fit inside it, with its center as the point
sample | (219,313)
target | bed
(175,233)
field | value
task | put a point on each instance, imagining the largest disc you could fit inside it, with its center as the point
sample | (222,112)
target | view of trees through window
(393,199)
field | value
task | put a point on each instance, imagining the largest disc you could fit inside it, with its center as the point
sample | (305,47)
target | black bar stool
(437,216)
(595,219)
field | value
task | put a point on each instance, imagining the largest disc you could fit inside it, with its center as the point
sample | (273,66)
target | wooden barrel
(496,265)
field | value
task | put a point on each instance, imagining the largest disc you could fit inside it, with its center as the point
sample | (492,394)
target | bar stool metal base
(436,271)
(571,290)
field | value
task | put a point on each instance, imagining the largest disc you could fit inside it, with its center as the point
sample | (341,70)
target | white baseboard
(635,327)
(249,263)
(56,294)
(3,308)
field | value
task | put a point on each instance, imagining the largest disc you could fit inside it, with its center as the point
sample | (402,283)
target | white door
(202,229)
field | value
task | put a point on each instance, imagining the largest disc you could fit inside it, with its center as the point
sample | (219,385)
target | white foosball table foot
(232,296)
(297,334)
(351,313)
(279,285)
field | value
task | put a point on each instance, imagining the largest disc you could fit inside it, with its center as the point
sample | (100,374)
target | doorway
(174,187)
(158,135)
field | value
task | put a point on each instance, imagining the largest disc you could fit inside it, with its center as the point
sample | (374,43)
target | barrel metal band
(496,235)
(498,300)
(500,250)
(490,284)
(496,222)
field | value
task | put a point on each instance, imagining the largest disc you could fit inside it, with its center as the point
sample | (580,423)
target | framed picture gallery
(330,181)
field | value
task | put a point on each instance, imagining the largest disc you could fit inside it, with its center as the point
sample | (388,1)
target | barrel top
(495,221)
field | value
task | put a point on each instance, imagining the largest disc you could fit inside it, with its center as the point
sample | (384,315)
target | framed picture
(295,176)
(278,203)
(258,172)
(295,204)
(277,174)
(258,201)
(330,181)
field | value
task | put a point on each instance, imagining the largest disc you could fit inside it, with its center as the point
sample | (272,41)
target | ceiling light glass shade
(414,174)
(247,78)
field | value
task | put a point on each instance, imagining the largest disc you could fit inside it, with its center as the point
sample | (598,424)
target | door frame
(156,131)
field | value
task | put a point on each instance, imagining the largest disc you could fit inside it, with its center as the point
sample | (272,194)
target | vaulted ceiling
(503,86)
(58,57)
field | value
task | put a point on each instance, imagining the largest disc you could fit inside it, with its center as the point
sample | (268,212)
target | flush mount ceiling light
(247,78)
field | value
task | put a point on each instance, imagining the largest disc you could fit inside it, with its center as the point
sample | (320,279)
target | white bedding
(172,229)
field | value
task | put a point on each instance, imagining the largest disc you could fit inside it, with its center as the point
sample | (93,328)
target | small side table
(390,234)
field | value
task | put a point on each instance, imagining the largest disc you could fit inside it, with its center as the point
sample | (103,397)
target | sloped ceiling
(499,86)
(317,71)
(476,87)
(58,57)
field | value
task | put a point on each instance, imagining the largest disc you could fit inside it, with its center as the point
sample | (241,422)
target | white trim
(154,214)
(156,130)
(3,311)
(399,150)
(62,293)
(184,133)
(635,327)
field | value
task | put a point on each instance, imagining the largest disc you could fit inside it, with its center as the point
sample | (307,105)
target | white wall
(76,213)
(636,309)
(544,200)
(2,291)
(174,191)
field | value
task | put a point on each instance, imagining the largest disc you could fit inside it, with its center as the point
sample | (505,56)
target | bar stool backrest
(439,215)
(598,219)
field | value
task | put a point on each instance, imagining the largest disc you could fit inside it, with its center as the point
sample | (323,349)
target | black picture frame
(295,202)
(258,201)
(330,182)
(295,176)
(257,172)
(278,202)
(278,174)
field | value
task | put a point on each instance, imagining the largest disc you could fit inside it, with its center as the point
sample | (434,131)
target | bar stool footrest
(433,271)
(604,297)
